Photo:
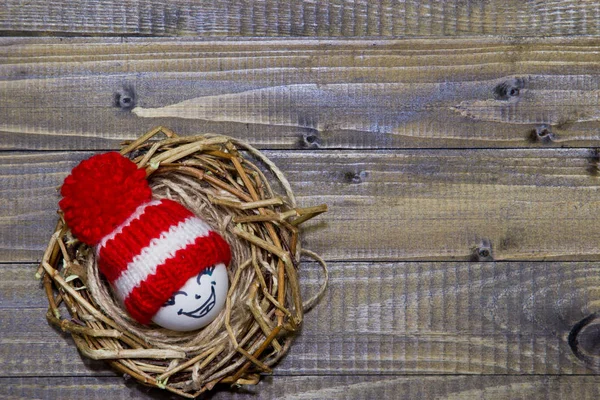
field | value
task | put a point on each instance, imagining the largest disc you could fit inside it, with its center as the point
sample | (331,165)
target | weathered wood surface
(421,123)
(419,93)
(330,388)
(504,318)
(384,205)
(322,18)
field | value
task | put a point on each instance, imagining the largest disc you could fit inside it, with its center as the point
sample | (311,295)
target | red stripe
(119,251)
(147,298)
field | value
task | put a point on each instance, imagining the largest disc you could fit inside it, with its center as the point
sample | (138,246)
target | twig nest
(228,189)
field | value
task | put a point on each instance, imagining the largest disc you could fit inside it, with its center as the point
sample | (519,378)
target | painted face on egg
(197,303)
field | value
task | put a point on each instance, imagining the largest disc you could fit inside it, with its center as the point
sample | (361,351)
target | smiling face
(197,303)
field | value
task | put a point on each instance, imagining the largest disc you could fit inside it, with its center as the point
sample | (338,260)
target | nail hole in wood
(309,140)
(483,252)
(509,89)
(125,98)
(542,134)
(355,177)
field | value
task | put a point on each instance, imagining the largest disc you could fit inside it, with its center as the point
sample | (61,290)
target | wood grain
(505,318)
(302,94)
(463,239)
(325,387)
(385,205)
(323,18)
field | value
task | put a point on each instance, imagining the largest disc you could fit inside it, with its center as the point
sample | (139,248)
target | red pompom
(100,194)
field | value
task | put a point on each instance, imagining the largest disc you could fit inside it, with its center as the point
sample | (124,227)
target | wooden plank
(386,205)
(323,18)
(19,288)
(506,318)
(325,387)
(433,93)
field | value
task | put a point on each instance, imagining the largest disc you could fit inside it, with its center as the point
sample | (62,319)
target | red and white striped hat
(147,249)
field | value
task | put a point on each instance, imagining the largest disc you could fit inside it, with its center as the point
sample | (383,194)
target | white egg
(197,303)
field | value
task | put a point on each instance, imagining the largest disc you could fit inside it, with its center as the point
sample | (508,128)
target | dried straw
(210,176)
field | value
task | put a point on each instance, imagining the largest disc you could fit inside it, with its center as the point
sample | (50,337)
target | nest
(223,181)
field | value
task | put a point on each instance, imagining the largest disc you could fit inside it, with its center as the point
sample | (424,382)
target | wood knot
(125,98)
(593,167)
(584,340)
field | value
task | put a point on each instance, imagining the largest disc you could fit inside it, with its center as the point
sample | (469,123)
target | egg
(197,303)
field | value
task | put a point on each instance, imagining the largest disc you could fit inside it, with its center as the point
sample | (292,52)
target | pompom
(100,194)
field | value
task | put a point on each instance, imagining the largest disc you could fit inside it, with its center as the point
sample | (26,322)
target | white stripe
(136,215)
(157,252)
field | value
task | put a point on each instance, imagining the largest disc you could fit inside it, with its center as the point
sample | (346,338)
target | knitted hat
(147,249)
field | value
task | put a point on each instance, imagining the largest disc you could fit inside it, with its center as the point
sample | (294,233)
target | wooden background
(454,141)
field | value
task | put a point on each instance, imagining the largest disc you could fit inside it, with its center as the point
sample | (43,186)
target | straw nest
(223,181)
